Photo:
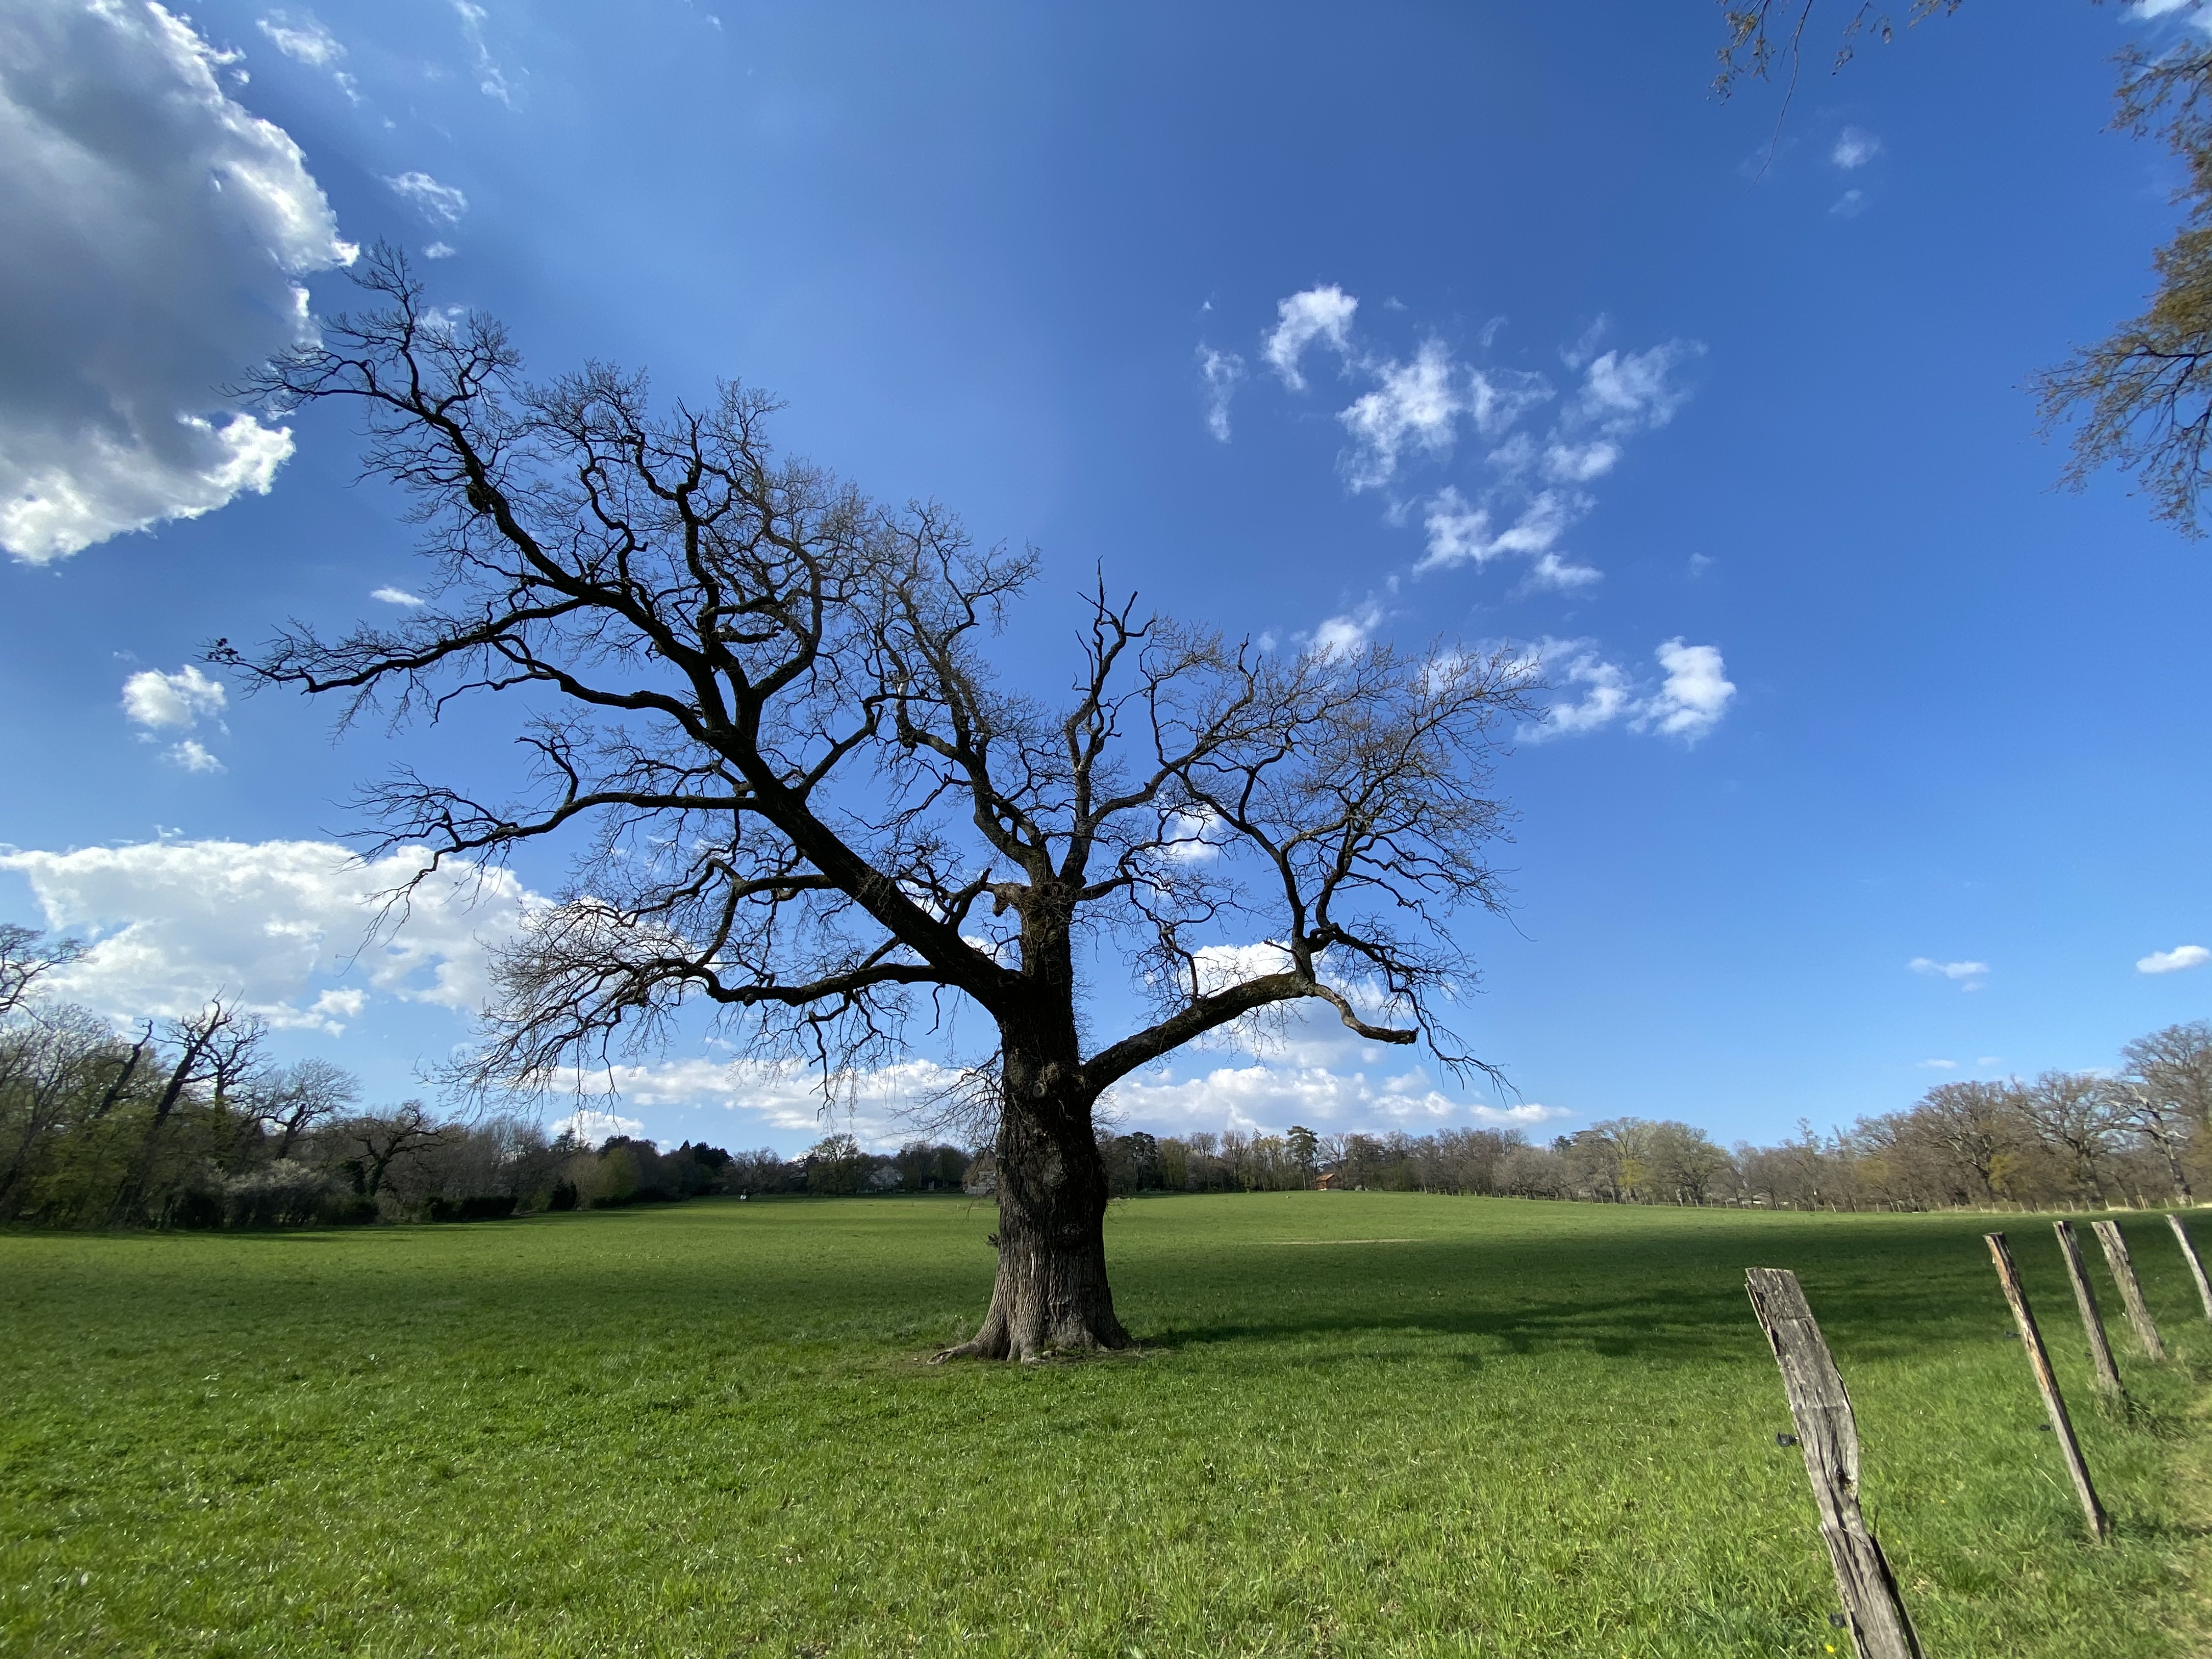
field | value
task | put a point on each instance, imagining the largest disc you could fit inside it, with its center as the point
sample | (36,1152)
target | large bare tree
(762,704)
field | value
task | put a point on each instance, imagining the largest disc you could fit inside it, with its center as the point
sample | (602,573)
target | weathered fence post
(2093,1322)
(1828,1436)
(2131,1296)
(2039,1360)
(2195,1265)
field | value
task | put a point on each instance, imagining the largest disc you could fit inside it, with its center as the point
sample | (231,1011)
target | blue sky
(1845,685)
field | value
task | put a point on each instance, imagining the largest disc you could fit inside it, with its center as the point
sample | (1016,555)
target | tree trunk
(1051,1295)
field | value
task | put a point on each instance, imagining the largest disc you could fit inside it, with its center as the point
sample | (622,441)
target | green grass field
(1366,1424)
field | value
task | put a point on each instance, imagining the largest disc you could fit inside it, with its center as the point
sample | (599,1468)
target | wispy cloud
(1967,976)
(1221,371)
(439,203)
(2173,961)
(491,79)
(1855,148)
(303,38)
(398,596)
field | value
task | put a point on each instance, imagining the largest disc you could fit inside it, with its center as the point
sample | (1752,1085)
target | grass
(1367,1424)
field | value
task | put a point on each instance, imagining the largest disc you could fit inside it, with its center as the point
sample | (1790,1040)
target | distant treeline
(188,1123)
(2140,1135)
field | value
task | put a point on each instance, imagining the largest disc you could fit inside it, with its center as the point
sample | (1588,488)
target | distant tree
(2140,398)
(775,692)
(836,1165)
(294,1099)
(2165,1094)
(25,957)
(380,1141)
(1305,1150)
(2074,1115)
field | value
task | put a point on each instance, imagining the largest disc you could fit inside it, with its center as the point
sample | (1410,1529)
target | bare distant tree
(2074,1113)
(382,1140)
(292,1100)
(2165,1093)
(763,700)
(25,957)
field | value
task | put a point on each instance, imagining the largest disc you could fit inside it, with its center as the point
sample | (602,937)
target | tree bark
(1051,1295)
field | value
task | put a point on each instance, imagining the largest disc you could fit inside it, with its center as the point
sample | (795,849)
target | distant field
(1369,1423)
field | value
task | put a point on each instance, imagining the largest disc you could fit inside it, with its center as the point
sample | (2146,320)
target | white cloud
(594,1128)
(2173,961)
(1626,392)
(1855,148)
(1606,693)
(1695,694)
(152,698)
(439,251)
(270,924)
(1968,975)
(1849,204)
(1580,463)
(193,755)
(1221,371)
(1418,405)
(439,203)
(304,40)
(1341,636)
(1691,700)
(1940,1065)
(490,80)
(155,230)
(1270,1096)
(1317,314)
(398,596)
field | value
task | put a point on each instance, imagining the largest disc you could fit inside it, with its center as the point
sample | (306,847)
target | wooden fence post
(2093,1322)
(2195,1265)
(2061,1426)
(2131,1296)
(1828,1436)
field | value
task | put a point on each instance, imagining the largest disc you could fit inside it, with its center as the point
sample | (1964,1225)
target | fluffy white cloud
(270,923)
(439,251)
(303,38)
(884,1107)
(1605,691)
(442,205)
(194,756)
(1695,694)
(1270,1097)
(594,1127)
(1968,975)
(1689,700)
(1221,370)
(1317,314)
(1855,148)
(182,699)
(1340,636)
(155,234)
(398,596)
(879,1108)
(2173,961)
